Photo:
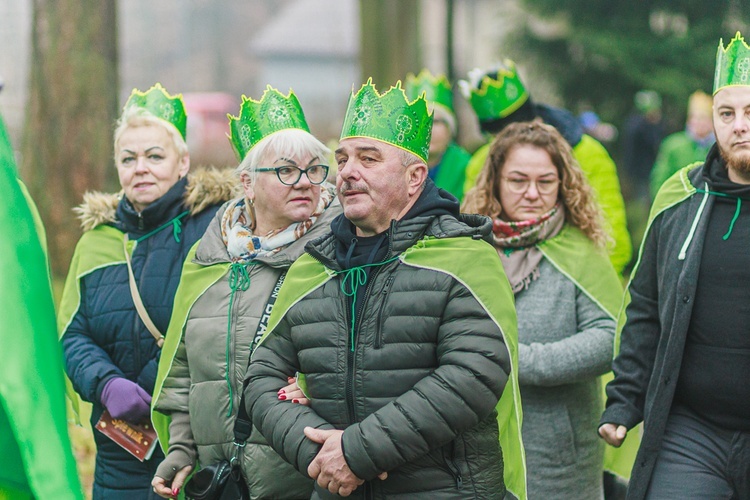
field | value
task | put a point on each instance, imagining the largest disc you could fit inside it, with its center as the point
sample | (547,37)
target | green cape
(194,281)
(452,256)
(573,254)
(98,248)
(37,459)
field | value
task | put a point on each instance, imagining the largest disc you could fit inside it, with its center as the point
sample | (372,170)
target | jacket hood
(564,121)
(205,187)
(212,250)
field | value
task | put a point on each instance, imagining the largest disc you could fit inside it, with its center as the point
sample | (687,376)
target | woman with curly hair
(548,232)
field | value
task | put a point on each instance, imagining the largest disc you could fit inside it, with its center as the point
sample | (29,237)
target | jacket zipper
(351,352)
(453,467)
(381,320)
(137,320)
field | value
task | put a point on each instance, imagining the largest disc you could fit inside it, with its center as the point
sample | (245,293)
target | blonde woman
(548,234)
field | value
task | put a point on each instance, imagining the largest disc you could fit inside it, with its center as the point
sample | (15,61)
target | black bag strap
(243,425)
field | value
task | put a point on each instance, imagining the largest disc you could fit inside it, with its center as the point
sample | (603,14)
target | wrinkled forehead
(734,96)
(353,145)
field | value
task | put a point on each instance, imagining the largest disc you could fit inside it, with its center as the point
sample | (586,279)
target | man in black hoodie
(402,322)
(684,361)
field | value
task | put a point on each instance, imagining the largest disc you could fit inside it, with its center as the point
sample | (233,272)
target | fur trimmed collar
(206,186)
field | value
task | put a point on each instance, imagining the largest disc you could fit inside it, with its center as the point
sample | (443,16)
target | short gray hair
(292,142)
(409,158)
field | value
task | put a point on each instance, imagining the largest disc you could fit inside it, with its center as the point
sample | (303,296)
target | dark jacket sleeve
(87,365)
(639,339)
(147,377)
(280,422)
(473,368)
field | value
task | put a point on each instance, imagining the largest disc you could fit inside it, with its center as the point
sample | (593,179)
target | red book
(137,439)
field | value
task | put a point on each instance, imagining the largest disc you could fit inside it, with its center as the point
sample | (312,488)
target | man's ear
(416,174)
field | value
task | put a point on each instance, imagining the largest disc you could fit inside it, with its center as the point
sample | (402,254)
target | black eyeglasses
(289,175)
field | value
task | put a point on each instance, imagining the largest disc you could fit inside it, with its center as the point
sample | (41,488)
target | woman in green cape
(225,295)
(548,234)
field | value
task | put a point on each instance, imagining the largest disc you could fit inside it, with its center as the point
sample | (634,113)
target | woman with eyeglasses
(227,289)
(548,234)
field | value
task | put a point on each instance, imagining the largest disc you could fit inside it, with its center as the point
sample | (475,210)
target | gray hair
(291,142)
(409,158)
(139,117)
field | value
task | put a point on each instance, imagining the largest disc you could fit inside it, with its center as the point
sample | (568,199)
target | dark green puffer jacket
(416,393)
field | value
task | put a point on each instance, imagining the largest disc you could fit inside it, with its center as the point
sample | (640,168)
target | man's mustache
(353,186)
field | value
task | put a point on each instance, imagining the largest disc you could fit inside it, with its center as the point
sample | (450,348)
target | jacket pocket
(451,464)
(381,315)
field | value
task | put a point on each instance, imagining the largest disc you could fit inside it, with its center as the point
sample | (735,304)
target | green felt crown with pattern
(390,118)
(159,103)
(259,119)
(437,89)
(499,97)
(732,64)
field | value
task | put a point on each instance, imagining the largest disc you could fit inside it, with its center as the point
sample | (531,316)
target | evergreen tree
(602,52)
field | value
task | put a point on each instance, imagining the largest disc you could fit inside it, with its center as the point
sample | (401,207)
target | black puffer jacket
(416,392)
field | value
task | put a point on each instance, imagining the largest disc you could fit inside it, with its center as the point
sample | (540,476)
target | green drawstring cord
(734,219)
(356,277)
(239,279)
(736,212)
(176,224)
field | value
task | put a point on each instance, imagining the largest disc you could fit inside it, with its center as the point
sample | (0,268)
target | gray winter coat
(565,343)
(197,381)
(415,395)
(653,338)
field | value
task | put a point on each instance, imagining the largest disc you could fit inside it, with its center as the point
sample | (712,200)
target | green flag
(37,459)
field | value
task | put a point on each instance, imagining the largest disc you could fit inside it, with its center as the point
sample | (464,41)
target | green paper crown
(732,64)
(497,98)
(259,119)
(159,103)
(437,89)
(390,118)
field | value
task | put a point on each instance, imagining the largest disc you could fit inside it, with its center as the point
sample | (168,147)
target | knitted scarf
(516,242)
(238,223)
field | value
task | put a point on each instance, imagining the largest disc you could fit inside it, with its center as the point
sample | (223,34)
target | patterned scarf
(237,225)
(516,244)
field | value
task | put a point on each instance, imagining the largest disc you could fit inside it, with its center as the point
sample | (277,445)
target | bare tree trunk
(67,141)
(390,40)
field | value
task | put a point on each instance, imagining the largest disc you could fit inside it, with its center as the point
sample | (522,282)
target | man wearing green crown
(447,160)
(499,97)
(401,325)
(684,357)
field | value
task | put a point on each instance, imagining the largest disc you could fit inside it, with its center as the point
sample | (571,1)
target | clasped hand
(329,467)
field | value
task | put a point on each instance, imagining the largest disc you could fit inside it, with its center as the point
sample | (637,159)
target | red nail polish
(175,492)
(295,400)
(282,397)
(281,391)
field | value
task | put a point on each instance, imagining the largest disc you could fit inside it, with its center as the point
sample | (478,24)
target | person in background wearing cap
(224,292)
(401,323)
(687,146)
(641,137)
(110,354)
(447,161)
(499,98)
(684,358)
